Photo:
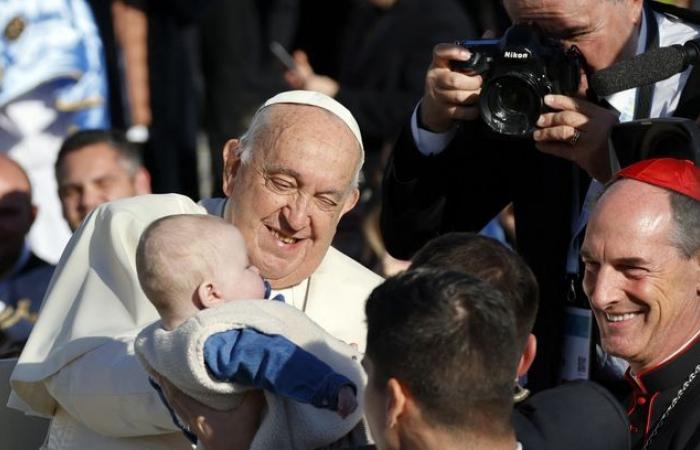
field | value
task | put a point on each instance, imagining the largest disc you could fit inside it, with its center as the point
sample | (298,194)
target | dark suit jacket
(385,56)
(577,415)
(467,184)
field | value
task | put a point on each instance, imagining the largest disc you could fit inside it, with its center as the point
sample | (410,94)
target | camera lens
(512,98)
(511,103)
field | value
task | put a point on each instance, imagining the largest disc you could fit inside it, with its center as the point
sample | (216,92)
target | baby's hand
(347,403)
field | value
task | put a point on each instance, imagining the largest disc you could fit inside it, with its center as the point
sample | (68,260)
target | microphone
(647,68)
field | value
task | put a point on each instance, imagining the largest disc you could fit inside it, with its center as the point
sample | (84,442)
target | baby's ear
(207,295)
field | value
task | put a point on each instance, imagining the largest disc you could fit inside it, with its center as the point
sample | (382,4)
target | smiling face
(93,175)
(604,30)
(287,200)
(644,292)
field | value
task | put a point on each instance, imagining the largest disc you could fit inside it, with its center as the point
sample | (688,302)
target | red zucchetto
(678,175)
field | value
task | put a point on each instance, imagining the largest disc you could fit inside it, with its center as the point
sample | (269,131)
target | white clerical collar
(295,295)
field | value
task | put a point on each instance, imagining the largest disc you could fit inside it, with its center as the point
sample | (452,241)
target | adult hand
(449,95)
(578,131)
(304,77)
(213,427)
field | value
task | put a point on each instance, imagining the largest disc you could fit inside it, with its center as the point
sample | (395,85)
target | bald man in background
(24,277)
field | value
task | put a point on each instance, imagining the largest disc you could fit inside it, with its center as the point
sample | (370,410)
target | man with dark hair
(642,258)
(546,419)
(440,361)
(95,167)
(490,261)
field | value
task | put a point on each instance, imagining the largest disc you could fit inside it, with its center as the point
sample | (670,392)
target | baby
(217,338)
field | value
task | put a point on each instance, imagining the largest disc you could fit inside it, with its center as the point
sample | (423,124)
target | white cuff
(427,142)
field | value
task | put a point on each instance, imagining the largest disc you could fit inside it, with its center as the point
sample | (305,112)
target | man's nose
(90,199)
(602,287)
(297,211)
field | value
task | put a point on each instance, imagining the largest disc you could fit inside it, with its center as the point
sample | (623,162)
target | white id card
(576,362)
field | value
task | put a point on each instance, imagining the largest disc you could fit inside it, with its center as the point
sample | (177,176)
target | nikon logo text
(515,55)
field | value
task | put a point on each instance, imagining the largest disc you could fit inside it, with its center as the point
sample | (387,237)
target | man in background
(94,167)
(24,277)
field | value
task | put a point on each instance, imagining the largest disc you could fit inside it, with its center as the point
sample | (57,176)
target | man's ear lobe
(142,181)
(351,201)
(528,356)
(231,164)
(396,399)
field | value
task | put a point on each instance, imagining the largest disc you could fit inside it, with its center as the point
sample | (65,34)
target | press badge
(578,332)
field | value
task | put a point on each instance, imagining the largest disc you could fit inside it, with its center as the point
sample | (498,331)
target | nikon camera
(519,70)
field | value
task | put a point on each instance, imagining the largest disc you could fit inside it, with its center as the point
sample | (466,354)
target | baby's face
(239,280)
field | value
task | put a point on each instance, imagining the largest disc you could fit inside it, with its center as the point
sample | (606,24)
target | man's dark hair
(490,261)
(128,153)
(450,339)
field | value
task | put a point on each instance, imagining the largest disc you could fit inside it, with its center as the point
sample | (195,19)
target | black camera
(519,70)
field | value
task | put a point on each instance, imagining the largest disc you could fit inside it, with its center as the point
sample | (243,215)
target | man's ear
(34,212)
(395,403)
(528,356)
(634,9)
(351,201)
(142,181)
(207,295)
(231,164)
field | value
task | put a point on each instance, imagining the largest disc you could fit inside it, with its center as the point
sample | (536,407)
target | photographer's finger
(457,80)
(563,102)
(570,118)
(457,97)
(561,133)
(466,112)
(445,52)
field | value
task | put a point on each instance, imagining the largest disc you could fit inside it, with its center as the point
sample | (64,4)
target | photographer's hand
(577,131)
(304,77)
(449,95)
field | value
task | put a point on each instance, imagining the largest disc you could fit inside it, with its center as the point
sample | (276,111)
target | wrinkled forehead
(308,138)
(554,17)
(308,119)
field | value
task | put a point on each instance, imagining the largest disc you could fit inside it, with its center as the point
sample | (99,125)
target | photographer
(449,171)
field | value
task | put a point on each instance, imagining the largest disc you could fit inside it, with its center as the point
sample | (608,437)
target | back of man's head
(449,339)
(488,260)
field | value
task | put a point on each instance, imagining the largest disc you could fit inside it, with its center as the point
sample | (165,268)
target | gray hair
(686,217)
(260,124)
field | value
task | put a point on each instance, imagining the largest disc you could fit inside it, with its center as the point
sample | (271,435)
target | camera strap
(645,94)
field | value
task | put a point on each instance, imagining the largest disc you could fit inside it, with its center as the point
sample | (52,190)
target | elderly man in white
(288,180)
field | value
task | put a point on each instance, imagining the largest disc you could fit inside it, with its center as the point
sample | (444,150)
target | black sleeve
(460,189)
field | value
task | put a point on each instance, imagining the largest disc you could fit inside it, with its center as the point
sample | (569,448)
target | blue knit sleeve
(273,363)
